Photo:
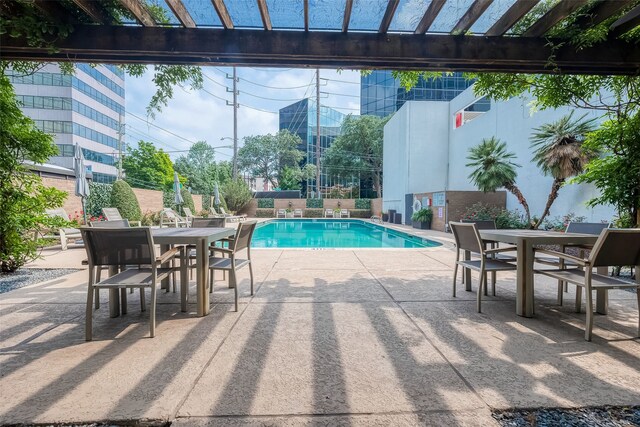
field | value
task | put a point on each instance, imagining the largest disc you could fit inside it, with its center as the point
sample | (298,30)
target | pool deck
(331,337)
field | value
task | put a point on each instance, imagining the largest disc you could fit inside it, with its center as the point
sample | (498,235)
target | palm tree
(558,152)
(493,168)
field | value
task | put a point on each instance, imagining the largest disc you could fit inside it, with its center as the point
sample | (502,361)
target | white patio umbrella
(176,188)
(82,186)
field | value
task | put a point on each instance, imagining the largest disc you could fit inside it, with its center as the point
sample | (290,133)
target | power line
(273,87)
(161,128)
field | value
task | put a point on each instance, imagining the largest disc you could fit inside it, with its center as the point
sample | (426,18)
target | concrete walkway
(331,337)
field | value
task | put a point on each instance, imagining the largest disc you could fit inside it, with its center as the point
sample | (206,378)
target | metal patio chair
(328,213)
(115,247)
(614,247)
(297,213)
(344,213)
(282,213)
(468,239)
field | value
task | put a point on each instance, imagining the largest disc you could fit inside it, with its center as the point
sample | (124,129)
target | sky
(203,115)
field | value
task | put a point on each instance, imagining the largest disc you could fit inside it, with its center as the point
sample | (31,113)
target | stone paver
(331,337)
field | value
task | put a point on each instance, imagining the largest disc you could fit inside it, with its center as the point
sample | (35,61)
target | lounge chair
(344,213)
(64,233)
(282,213)
(614,247)
(241,217)
(188,215)
(170,218)
(297,213)
(328,213)
(113,214)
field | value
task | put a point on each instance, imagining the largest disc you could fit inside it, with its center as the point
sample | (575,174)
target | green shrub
(314,203)
(150,218)
(360,213)
(264,213)
(504,218)
(188,200)
(560,223)
(99,197)
(123,198)
(265,203)
(511,219)
(236,194)
(312,213)
(206,201)
(422,215)
(363,204)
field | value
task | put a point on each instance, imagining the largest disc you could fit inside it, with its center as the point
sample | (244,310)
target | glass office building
(83,108)
(300,118)
(381,94)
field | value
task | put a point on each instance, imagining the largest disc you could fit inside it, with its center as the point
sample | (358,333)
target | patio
(334,337)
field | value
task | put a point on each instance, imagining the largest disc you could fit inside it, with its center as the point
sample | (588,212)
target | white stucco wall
(421,137)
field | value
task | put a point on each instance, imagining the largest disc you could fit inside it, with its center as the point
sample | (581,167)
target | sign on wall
(439,199)
(440,212)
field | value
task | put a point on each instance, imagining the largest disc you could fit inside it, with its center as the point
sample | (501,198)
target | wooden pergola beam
(181,12)
(95,11)
(306,15)
(388,16)
(601,11)
(471,16)
(55,11)
(347,15)
(207,46)
(626,23)
(264,14)
(139,11)
(223,13)
(509,19)
(429,16)
(554,15)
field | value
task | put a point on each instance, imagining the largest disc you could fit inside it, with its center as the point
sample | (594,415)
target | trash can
(392,214)
(397,218)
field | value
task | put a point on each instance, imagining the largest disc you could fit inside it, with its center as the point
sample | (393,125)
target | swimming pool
(329,233)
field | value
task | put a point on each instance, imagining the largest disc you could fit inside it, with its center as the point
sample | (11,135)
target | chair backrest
(222,211)
(118,246)
(282,211)
(586,227)
(60,213)
(616,247)
(482,224)
(298,210)
(207,222)
(120,223)
(328,211)
(170,213)
(466,236)
(187,212)
(112,214)
(344,211)
(243,235)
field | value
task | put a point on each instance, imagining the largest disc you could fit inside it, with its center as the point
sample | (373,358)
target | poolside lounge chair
(468,239)
(614,247)
(328,213)
(344,213)
(64,233)
(188,215)
(297,213)
(282,213)
(170,218)
(113,247)
(241,217)
(113,214)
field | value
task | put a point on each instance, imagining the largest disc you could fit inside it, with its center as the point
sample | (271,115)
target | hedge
(264,213)
(123,198)
(360,213)
(312,213)
(265,203)
(99,197)
(363,204)
(314,203)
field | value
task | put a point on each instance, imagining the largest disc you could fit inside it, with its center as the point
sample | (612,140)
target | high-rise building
(300,119)
(381,94)
(85,108)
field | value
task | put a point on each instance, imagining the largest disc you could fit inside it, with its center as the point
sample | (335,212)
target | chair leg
(88,326)
(486,288)
(578,299)
(152,315)
(493,283)
(251,275)
(638,297)
(589,320)
(143,305)
(97,291)
(560,292)
(455,273)
(481,285)
(211,273)
(232,278)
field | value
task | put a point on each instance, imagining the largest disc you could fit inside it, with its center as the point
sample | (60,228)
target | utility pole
(120,132)
(318,132)
(235,121)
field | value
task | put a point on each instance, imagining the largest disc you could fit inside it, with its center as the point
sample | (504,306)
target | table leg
(524,279)
(602,295)
(467,273)
(114,298)
(202,269)
(184,282)
(164,284)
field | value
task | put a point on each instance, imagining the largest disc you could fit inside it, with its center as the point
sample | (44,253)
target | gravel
(607,416)
(31,276)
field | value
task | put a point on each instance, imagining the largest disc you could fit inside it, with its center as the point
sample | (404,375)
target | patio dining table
(526,240)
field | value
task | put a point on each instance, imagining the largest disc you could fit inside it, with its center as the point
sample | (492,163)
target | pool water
(328,233)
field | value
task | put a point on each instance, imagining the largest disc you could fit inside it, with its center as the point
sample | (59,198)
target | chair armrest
(169,255)
(223,250)
(502,249)
(562,255)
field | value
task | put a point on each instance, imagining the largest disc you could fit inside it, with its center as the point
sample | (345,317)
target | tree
(124,199)
(267,156)
(23,197)
(558,152)
(291,177)
(199,168)
(236,194)
(148,167)
(358,150)
(494,168)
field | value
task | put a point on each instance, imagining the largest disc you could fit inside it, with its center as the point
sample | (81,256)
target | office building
(85,108)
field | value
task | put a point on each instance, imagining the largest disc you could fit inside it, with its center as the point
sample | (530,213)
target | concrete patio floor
(331,337)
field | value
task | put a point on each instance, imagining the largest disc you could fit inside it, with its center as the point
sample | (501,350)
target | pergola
(461,35)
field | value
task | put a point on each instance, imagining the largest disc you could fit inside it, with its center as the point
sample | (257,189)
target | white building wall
(428,133)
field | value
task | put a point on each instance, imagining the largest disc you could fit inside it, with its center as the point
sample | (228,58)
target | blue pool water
(328,233)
